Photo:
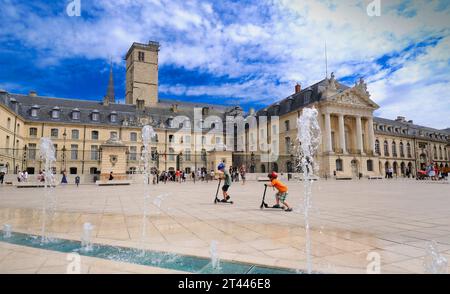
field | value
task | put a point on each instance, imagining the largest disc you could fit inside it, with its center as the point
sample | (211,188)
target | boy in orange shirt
(282,191)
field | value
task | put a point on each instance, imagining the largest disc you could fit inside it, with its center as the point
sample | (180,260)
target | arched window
(435,152)
(408,150)
(369,165)
(339,165)
(386,148)
(402,151)
(394,149)
(440,152)
(377,147)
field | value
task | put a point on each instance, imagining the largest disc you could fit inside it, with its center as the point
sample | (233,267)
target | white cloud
(266,45)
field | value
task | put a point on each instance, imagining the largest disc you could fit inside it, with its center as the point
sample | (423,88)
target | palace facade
(93,137)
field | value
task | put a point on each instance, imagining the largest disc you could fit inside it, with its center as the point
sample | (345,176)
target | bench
(344,178)
(375,178)
(113,183)
(31,185)
(263,179)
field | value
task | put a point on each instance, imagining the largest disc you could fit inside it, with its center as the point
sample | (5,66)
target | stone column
(359,138)
(342,134)
(328,142)
(371,135)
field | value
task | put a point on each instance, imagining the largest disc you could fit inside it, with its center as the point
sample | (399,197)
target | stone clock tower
(142,74)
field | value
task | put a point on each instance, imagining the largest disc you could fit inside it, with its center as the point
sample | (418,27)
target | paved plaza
(350,219)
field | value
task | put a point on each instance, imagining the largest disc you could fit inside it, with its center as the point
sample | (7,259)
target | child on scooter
(282,192)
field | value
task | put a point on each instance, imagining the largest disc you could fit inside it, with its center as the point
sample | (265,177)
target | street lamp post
(64,166)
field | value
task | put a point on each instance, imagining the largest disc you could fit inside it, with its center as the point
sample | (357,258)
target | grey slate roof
(299,100)
(159,114)
(412,130)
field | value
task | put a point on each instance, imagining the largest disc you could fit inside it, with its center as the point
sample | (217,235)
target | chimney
(410,122)
(298,88)
(401,119)
(32,93)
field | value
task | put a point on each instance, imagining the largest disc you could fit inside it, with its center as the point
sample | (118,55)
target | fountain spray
(147,134)
(47,154)
(309,137)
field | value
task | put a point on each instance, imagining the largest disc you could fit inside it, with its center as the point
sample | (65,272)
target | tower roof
(110,92)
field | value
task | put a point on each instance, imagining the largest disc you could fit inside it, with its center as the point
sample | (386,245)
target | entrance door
(355,168)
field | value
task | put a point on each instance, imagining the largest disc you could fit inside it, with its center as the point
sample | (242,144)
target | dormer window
(113,117)
(76,114)
(56,112)
(95,115)
(34,111)
(170,122)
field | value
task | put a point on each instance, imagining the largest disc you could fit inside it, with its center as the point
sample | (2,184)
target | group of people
(238,174)
(434,173)
(274,182)
(22,176)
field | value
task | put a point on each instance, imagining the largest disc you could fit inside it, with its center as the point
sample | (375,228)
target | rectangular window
(141,56)
(33,132)
(56,150)
(288,145)
(133,153)
(74,152)
(54,133)
(94,152)
(171,138)
(287,126)
(94,135)
(31,151)
(113,135)
(133,137)
(75,134)
(187,155)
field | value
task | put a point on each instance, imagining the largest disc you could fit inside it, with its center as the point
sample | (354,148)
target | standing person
(227,182)
(111,177)
(77,180)
(2,177)
(64,178)
(177,176)
(282,192)
(243,172)
(25,176)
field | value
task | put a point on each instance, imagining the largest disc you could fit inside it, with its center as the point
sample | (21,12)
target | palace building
(93,137)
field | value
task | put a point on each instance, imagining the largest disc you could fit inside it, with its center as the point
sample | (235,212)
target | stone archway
(402,169)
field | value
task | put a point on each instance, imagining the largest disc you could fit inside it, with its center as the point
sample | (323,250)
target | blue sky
(249,53)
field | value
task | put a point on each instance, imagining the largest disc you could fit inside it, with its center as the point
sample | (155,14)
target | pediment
(354,97)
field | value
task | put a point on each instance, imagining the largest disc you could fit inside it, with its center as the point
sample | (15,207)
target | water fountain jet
(7,229)
(47,154)
(309,137)
(86,242)
(147,134)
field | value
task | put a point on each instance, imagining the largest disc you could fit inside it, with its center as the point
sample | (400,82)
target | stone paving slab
(349,220)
